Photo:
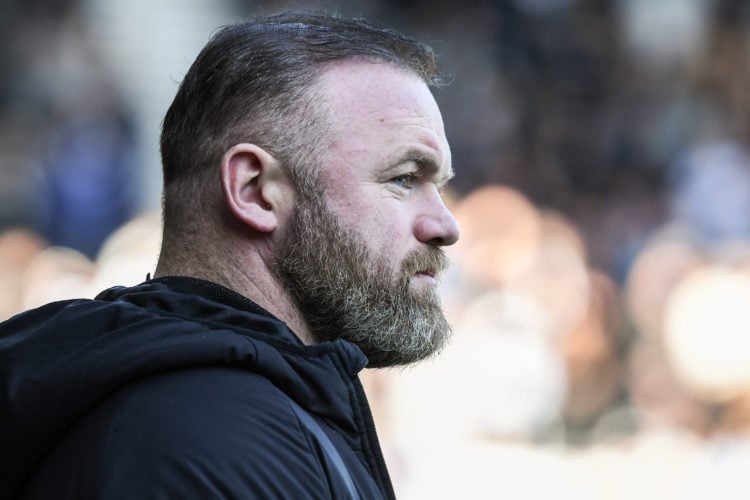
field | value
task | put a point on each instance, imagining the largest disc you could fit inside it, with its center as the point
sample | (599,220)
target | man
(303,158)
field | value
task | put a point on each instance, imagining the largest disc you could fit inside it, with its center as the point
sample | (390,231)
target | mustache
(432,261)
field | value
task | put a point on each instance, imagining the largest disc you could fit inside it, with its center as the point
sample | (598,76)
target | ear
(253,186)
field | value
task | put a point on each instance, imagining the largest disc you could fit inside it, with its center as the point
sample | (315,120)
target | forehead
(367,98)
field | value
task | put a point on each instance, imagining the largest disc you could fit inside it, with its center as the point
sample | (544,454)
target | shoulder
(202,406)
(205,432)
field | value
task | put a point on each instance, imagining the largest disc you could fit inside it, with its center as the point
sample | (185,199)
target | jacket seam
(308,440)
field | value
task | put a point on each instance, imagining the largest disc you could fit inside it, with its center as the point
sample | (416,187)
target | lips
(427,272)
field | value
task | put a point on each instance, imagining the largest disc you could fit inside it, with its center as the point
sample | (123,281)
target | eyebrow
(428,166)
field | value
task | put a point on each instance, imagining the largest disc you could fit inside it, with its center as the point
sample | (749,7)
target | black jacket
(179,388)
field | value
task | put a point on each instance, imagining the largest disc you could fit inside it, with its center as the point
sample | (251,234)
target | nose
(436,226)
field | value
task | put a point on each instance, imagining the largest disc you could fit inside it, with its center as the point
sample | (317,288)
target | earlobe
(245,170)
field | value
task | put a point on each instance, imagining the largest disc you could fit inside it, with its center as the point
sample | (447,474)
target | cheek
(391,231)
(383,224)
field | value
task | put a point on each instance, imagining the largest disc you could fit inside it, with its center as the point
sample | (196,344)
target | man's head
(254,83)
(344,110)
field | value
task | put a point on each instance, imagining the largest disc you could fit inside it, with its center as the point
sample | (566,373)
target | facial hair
(343,291)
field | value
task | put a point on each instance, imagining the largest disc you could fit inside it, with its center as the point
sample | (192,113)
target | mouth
(425,269)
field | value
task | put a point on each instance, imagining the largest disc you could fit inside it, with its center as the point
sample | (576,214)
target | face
(362,254)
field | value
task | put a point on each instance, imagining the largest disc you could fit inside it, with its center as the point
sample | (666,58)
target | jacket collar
(211,291)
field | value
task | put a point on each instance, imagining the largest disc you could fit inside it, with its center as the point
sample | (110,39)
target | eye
(405,181)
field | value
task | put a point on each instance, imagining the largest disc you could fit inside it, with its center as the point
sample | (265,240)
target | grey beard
(344,292)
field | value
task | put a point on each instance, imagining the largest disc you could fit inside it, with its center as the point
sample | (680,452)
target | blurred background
(600,293)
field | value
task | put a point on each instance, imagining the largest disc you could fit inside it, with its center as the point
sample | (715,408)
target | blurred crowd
(600,292)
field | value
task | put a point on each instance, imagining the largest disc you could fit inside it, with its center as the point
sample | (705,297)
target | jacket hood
(59,361)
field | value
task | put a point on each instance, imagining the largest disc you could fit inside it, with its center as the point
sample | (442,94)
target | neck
(249,275)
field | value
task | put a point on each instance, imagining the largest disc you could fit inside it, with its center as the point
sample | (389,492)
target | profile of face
(361,255)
